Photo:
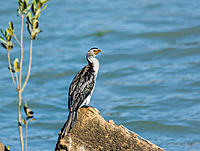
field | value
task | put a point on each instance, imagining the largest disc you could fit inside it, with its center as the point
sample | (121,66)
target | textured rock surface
(92,133)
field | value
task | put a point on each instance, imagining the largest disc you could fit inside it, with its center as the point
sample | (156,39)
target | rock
(92,133)
(3,147)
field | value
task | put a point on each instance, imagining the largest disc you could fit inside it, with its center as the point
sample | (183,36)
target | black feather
(81,86)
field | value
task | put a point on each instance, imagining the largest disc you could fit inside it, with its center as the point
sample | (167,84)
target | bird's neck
(92,61)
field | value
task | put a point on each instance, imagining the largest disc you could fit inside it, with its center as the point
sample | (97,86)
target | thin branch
(26,141)
(13,79)
(16,78)
(17,39)
(21,60)
(19,119)
(19,89)
(29,66)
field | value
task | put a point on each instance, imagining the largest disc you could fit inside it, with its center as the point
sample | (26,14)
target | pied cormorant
(81,89)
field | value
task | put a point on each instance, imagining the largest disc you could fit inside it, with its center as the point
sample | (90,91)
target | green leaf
(7,30)
(35,24)
(10,32)
(39,5)
(33,9)
(29,6)
(24,5)
(28,15)
(3,33)
(6,33)
(11,26)
(34,3)
(19,11)
(3,45)
(16,65)
(19,1)
(29,112)
(27,9)
(37,14)
(1,38)
(44,8)
(29,18)
(23,121)
(28,27)
(44,1)
(25,107)
(9,38)
(29,117)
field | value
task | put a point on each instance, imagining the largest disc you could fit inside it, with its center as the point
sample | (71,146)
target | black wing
(81,87)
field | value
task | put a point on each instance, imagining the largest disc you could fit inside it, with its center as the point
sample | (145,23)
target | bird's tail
(69,123)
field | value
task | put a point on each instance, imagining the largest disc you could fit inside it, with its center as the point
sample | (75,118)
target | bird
(81,89)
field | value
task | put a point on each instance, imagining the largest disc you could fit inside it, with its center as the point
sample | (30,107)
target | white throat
(94,62)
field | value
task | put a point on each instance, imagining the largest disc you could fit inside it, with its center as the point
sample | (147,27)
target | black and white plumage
(81,89)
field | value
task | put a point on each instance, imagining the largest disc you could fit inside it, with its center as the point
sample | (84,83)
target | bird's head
(93,52)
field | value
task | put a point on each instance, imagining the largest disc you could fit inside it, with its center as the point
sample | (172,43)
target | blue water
(149,77)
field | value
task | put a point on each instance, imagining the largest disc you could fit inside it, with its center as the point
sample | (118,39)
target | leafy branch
(29,10)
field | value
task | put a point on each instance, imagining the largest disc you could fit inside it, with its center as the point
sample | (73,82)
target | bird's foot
(86,106)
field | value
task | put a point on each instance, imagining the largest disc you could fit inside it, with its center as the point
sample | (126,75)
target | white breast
(95,63)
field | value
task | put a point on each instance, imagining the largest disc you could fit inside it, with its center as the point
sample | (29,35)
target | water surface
(149,69)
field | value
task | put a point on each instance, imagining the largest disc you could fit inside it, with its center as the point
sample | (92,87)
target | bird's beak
(97,51)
